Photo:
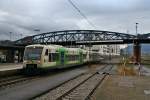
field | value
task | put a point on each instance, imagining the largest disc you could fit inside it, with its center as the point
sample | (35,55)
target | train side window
(46,52)
(54,56)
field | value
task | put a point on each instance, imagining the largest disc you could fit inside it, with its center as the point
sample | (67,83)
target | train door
(62,57)
(46,58)
(81,57)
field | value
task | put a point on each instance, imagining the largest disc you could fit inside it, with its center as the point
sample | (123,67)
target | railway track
(9,81)
(79,88)
(14,80)
(9,78)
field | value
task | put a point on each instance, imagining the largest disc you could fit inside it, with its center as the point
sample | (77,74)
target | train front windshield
(33,53)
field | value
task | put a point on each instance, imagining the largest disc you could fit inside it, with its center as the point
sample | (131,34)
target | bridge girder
(73,36)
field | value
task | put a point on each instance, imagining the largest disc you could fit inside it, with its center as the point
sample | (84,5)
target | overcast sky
(24,16)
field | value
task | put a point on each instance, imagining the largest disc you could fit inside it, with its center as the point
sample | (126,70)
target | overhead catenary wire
(81,13)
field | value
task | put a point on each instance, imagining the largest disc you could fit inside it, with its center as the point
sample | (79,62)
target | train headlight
(24,61)
(39,61)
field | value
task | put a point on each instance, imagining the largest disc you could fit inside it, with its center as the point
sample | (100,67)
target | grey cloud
(23,16)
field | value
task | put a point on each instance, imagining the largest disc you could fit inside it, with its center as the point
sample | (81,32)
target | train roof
(57,46)
(41,45)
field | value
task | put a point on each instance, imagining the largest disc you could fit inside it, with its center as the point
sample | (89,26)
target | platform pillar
(137,52)
(10,56)
(20,55)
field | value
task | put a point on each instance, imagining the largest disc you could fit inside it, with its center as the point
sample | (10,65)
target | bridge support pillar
(137,52)
(10,56)
(20,55)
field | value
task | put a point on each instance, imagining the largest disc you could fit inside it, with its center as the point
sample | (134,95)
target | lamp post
(10,33)
(110,51)
(136,27)
(136,47)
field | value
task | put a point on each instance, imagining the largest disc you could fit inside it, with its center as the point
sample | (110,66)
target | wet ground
(117,87)
(124,88)
(27,90)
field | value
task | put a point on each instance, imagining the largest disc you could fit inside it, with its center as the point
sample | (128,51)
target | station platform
(8,69)
(10,66)
(124,88)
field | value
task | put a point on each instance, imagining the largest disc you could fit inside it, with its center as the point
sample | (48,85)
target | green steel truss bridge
(83,37)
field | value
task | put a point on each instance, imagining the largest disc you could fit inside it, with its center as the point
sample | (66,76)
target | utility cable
(81,13)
